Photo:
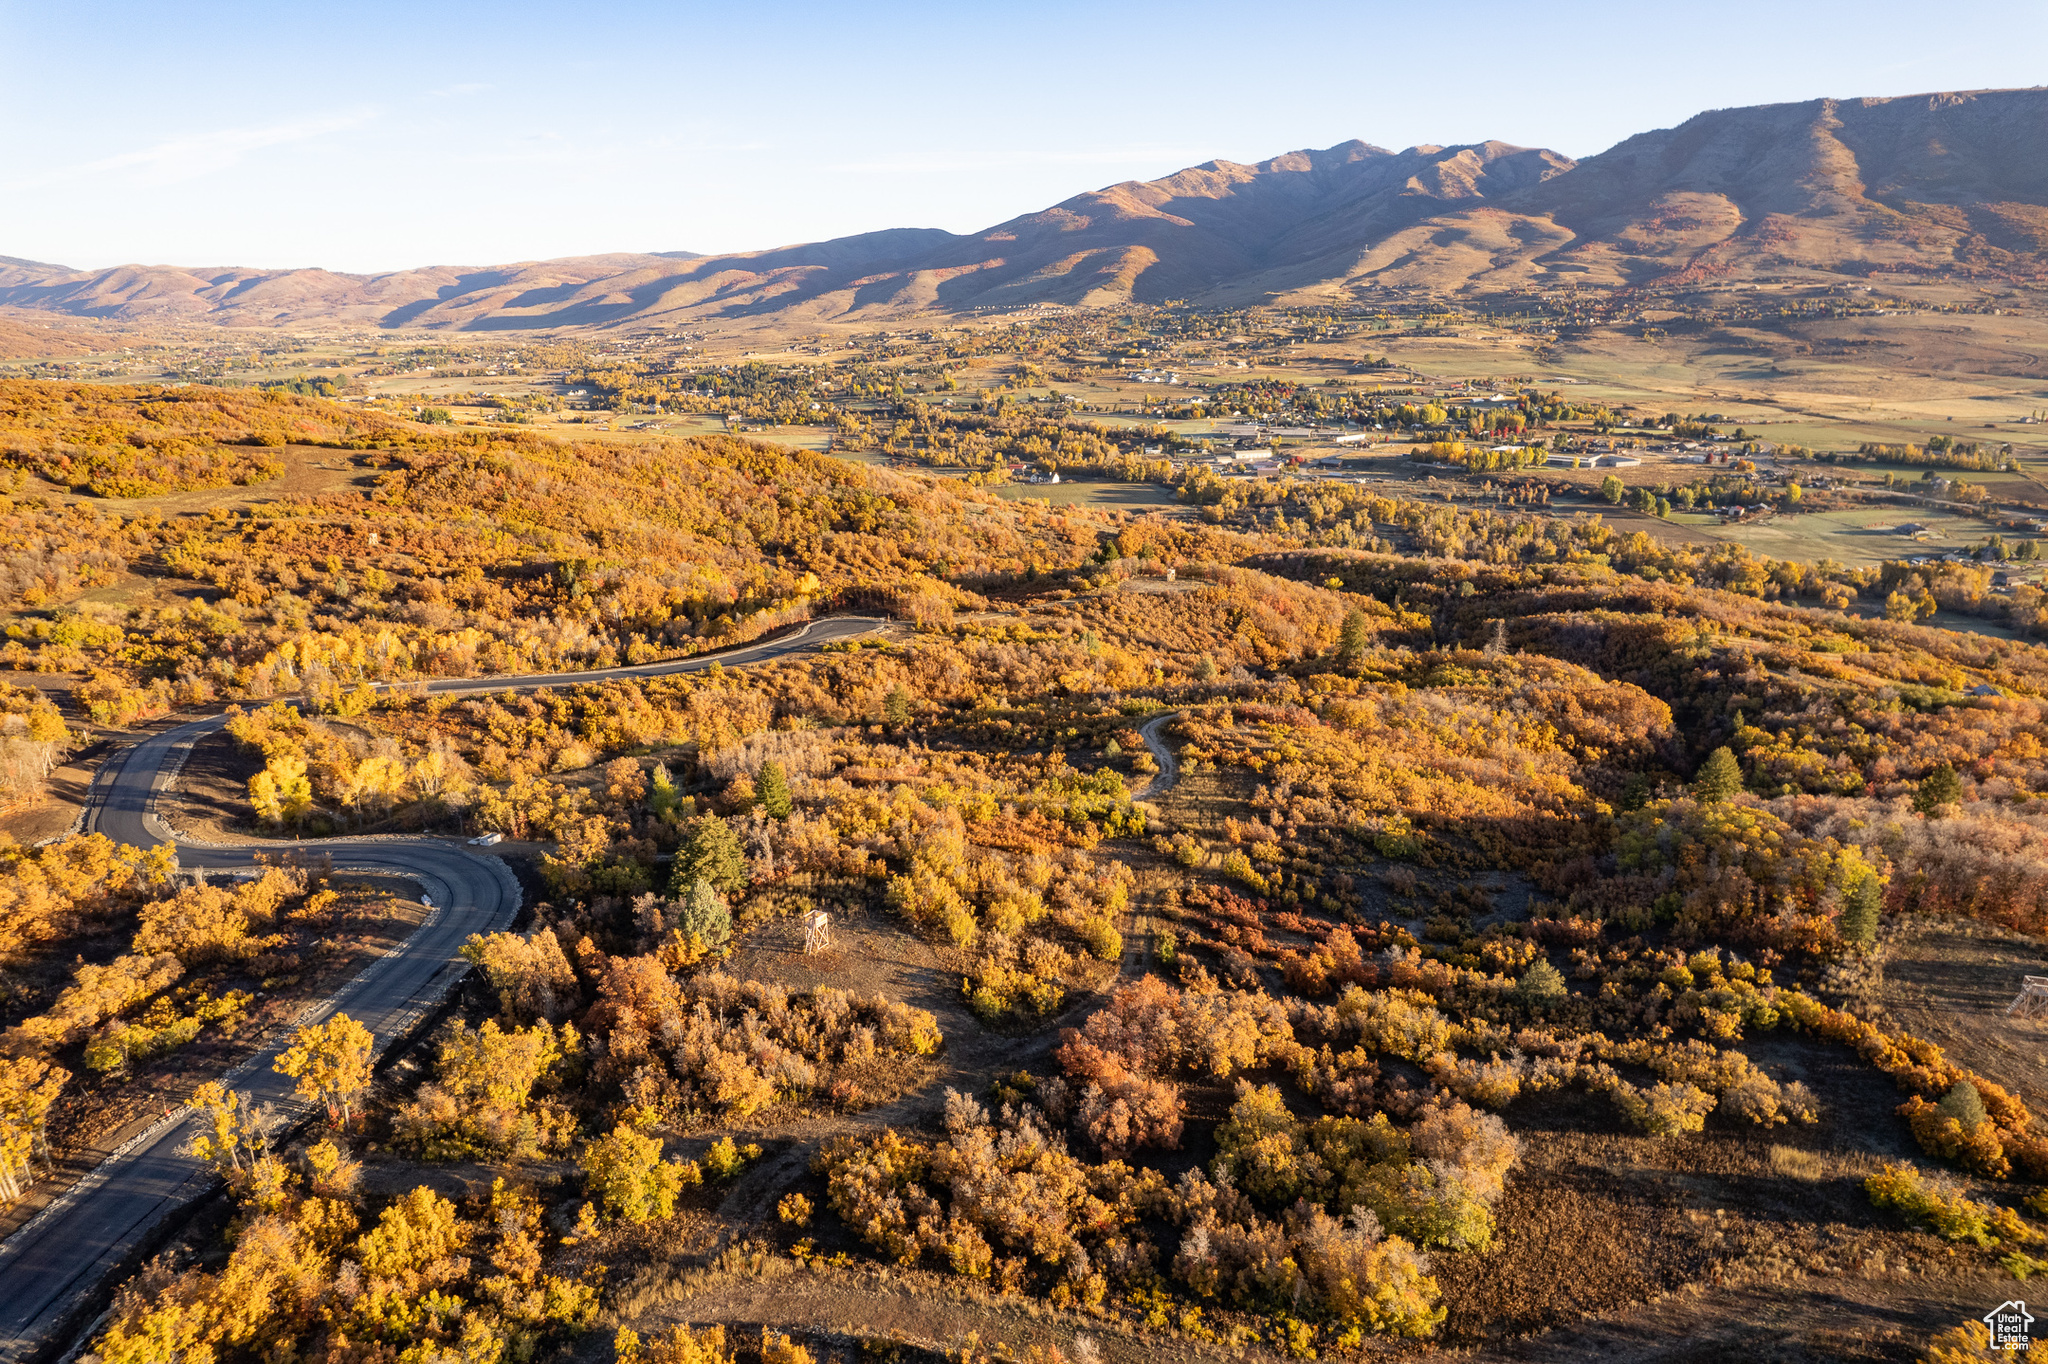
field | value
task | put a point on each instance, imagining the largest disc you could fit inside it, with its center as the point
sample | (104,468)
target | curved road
(1169,766)
(50,1267)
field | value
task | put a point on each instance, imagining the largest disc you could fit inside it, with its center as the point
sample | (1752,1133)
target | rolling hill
(1944,183)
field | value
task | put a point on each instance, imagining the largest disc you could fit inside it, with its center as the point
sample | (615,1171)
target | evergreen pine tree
(662,796)
(1720,777)
(711,853)
(896,705)
(772,790)
(1540,984)
(1965,1105)
(1351,635)
(704,915)
(1939,789)
(1859,911)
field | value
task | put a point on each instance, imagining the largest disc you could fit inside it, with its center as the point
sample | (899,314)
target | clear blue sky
(370,136)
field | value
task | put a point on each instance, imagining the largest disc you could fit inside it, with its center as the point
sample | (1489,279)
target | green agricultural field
(797,437)
(1185,428)
(1090,493)
(1857,537)
(2001,482)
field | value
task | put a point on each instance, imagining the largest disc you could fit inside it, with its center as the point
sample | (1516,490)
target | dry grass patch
(1793,1163)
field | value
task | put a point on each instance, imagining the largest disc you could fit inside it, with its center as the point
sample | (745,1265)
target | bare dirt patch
(1596,1222)
(1804,1317)
(871,954)
(1951,982)
(210,798)
(906,1316)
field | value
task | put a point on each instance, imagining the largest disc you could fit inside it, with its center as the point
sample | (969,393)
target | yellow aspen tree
(680,1346)
(222,1146)
(331,1062)
(418,1242)
(629,1177)
(265,799)
(382,779)
(155,866)
(282,792)
(334,1173)
(429,772)
(172,1325)
(46,728)
(27,1089)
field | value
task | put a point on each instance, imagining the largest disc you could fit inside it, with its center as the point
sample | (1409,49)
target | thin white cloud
(200,154)
(466,88)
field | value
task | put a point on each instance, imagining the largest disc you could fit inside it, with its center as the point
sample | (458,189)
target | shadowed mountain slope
(1926,183)
(1951,183)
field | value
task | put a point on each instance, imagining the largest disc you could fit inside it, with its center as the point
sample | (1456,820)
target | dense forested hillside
(454,554)
(1508,943)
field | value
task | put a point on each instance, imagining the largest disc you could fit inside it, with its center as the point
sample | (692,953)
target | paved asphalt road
(50,1267)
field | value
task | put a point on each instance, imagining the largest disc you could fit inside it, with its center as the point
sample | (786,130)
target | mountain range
(1946,184)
